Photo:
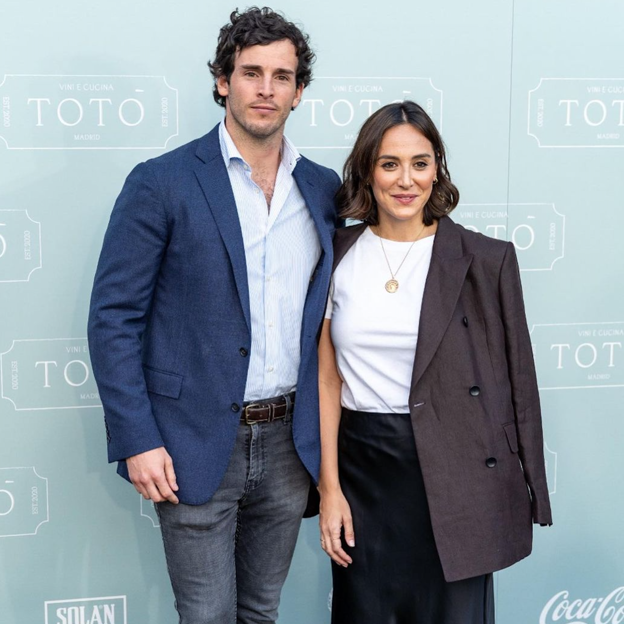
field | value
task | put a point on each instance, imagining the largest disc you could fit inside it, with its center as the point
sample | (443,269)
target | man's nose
(266,87)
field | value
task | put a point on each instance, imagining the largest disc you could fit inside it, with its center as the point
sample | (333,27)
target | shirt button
(243,351)
(235,407)
(490,462)
(465,321)
(475,391)
(270,323)
(271,369)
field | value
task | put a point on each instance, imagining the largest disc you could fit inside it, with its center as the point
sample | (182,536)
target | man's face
(262,89)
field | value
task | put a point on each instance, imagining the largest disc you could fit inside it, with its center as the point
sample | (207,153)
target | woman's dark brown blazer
(474,403)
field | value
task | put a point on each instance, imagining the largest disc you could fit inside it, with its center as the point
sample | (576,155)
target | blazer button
(243,351)
(235,407)
(465,320)
(475,391)
(490,462)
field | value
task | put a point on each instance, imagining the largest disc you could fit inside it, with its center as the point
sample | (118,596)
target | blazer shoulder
(327,175)
(481,246)
(180,156)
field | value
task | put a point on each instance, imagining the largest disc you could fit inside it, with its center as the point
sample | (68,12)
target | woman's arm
(335,512)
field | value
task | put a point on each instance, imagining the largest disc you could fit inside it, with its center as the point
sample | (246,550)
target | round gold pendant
(392,286)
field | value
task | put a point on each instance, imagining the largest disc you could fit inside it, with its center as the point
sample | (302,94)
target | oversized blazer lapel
(215,183)
(445,279)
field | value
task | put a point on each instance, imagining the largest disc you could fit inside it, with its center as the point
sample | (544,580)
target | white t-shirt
(374,332)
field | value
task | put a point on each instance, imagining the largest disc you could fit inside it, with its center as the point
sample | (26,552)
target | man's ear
(298,95)
(223,86)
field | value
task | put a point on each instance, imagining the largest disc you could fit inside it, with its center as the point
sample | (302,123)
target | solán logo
(87,112)
(579,355)
(106,610)
(333,109)
(577,112)
(23,501)
(604,610)
(42,374)
(536,230)
(20,246)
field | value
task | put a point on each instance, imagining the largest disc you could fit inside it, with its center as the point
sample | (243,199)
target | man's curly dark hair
(258,27)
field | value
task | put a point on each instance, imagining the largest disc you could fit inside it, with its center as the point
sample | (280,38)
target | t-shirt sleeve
(330,300)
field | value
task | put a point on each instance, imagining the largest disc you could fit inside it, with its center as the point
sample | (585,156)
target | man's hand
(153,476)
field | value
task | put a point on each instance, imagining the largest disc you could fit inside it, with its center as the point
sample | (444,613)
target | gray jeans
(228,559)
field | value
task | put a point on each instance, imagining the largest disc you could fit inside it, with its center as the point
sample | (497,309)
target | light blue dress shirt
(282,250)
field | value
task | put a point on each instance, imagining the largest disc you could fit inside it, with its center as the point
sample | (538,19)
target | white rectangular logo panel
(333,109)
(87,112)
(577,112)
(579,355)
(20,246)
(42,374)
(106,610)
(23,501)
(536,230)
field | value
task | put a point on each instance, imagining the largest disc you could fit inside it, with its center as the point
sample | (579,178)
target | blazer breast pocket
(163,383)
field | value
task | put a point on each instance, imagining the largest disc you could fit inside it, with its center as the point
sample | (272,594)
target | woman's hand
(335,514)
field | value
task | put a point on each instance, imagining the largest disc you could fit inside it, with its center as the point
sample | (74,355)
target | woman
(430,420)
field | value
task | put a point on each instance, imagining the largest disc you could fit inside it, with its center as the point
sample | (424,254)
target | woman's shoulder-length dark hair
(355,197)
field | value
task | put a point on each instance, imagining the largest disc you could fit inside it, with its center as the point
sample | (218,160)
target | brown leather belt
(268,410)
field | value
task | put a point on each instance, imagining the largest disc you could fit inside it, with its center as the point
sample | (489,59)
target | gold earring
(435,180)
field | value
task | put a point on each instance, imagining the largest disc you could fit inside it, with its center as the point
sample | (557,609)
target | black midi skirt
(396,576)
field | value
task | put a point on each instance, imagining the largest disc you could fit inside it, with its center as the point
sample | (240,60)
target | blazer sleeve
(124,284)
(525,394)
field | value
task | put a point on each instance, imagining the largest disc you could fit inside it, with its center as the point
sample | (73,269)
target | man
(205,311)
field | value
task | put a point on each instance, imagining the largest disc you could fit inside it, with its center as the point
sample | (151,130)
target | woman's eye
(421,164)
(388,165)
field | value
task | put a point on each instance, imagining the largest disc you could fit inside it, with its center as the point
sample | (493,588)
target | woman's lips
(405,199)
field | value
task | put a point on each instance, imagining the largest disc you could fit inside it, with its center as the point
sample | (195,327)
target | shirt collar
(229,151)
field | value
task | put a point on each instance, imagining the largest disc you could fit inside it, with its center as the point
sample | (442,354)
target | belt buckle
(250,421)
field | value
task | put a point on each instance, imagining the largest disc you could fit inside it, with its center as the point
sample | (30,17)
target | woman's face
(403,176)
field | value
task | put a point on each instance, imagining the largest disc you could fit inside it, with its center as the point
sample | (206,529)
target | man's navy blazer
(169,325)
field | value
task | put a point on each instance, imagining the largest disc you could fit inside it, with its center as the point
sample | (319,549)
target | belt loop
(288,416)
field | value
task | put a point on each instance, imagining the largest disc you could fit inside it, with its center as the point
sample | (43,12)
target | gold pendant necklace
(392,285)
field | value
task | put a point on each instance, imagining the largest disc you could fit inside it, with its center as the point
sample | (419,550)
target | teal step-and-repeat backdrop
(529,95)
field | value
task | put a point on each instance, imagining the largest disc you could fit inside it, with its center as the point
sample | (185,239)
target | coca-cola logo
(608,610)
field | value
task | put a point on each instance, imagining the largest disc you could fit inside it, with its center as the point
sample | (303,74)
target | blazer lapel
(446,276)
(215,183)
(304,178)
